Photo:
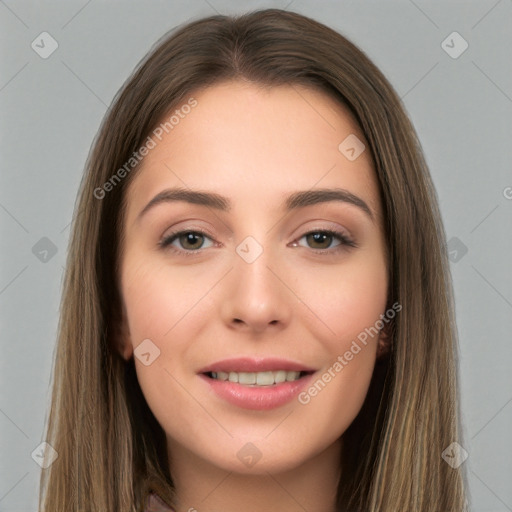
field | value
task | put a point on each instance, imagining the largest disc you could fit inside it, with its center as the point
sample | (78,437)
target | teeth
(264,379)
(257,378)
(246,378)
(280,376)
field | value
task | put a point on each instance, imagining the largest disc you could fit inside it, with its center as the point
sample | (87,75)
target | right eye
(189,241)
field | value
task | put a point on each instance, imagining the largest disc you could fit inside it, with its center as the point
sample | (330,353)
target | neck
(203,487)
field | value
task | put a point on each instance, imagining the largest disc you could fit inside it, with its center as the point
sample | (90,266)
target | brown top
(156,504)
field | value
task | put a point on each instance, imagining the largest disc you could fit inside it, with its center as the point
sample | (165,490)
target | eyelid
(186,225)
(325,226)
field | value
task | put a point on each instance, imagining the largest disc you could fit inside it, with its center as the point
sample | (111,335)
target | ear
(384,344)
(121,338)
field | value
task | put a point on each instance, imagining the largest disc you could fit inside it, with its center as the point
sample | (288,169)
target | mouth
(266,378)
(256,383)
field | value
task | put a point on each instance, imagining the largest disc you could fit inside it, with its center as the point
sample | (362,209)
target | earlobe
(126,350)
(384,344)
(121,336)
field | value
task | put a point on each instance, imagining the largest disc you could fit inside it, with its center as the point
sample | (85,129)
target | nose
(255,297)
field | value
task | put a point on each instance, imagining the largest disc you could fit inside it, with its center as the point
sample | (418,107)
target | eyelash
(345,241)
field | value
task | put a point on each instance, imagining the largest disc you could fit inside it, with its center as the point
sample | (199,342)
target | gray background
(51,109)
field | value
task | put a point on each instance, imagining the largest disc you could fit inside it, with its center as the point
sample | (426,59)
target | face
(244,305)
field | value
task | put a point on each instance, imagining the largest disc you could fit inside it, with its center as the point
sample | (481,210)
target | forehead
(256,144)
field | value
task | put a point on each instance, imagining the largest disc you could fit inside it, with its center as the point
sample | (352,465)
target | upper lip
(260,364)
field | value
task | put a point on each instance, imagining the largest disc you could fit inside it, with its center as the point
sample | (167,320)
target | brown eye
(191,240)
(326,241)
(186,241)
(319,240)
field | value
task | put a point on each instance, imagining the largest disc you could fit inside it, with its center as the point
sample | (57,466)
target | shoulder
(155,504)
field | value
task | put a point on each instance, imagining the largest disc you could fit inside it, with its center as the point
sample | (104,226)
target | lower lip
(260,398)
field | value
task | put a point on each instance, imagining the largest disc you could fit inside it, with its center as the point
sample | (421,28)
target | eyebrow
(296,200)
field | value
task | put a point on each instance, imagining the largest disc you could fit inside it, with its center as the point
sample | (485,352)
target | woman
(257,309)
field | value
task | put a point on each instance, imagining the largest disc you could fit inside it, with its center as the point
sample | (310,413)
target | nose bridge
(255,297)
(251,270)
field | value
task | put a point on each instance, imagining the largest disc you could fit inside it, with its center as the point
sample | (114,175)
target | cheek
(346,298)
(349,300)
(159,306)
(168,307)
(156,299)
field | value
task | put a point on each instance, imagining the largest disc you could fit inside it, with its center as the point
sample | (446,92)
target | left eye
(324,240)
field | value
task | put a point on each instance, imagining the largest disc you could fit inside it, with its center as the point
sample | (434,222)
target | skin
(255,146)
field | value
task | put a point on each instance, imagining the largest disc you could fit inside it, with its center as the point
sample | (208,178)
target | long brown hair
(111,450)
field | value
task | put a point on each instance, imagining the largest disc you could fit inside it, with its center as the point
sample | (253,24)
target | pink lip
(252,397)
(246,364)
